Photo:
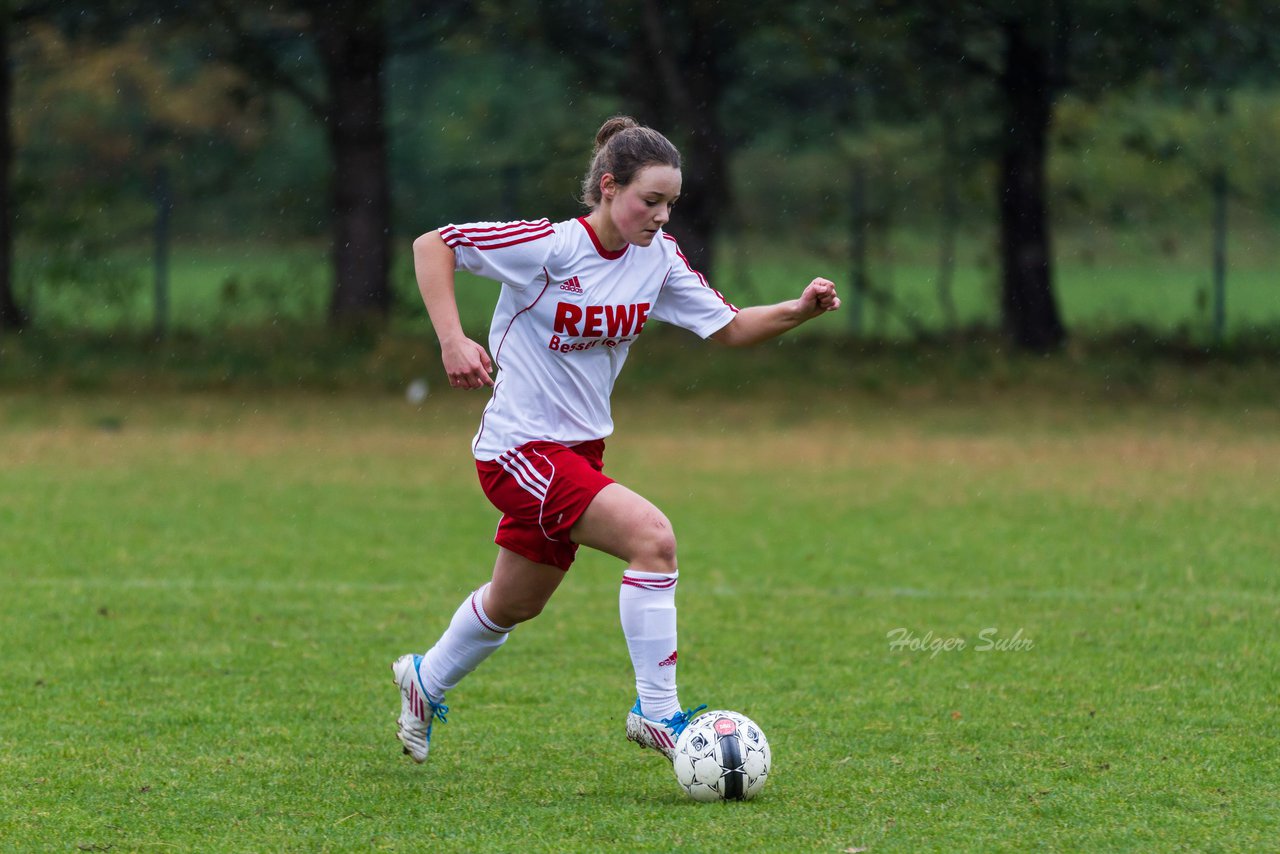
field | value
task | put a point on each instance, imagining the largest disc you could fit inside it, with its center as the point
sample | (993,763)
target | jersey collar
(604,253)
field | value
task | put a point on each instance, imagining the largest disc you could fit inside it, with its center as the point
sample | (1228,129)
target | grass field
(202,595)
(1104,281)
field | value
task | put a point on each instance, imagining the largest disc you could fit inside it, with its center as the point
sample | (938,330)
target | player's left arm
(762,322)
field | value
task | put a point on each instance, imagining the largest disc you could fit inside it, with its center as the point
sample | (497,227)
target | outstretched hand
(819,297)
(467,364)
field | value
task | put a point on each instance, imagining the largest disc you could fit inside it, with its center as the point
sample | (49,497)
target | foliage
(490,117)
(94,124)
(1157,153)
(468,152)
(123,107)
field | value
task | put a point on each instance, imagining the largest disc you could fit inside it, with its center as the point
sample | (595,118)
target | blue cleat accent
(659,735)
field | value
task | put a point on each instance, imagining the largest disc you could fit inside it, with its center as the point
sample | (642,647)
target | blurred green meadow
(1108,280)
(203,594)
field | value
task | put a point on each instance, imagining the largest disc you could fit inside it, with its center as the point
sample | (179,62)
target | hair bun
(623,155)
(613,126)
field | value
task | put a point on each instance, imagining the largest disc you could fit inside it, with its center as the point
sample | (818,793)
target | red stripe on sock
(646,584)
(484,620)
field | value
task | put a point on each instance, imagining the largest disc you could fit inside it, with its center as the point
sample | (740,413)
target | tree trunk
(858,244)
(949,220)
(11,317)
(687,96)
(705,195)
(1030,311)
(353,49)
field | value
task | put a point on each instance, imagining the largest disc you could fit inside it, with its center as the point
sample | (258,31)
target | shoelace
(680,720)
(438,711)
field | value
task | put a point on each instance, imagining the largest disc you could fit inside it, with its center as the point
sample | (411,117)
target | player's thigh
(625,524)
(520,588)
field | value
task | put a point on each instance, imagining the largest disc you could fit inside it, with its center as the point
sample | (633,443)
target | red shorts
(542,489)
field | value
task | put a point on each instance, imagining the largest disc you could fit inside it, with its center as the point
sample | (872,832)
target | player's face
(642,207)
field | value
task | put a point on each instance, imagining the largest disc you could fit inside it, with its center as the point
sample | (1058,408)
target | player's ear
(608,186)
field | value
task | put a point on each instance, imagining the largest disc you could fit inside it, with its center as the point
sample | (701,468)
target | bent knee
(656,546)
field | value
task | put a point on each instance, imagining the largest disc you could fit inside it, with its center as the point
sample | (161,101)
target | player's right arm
(465,361)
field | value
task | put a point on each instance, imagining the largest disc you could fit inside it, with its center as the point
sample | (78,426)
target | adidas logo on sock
(670,661)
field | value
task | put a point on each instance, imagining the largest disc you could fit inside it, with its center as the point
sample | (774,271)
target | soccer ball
(722,756)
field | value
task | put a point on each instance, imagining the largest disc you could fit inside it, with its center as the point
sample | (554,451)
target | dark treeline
(369,121)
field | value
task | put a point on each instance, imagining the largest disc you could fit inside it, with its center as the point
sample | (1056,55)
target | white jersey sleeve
(513,253)
(687,300)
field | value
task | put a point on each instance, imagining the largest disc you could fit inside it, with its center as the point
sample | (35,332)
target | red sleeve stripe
(701,278)
(496,237)
(506,226)
(484,240)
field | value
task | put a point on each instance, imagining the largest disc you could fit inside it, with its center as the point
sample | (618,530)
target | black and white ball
(722,756)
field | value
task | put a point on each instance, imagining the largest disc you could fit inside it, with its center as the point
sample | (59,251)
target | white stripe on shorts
(535,487)
(534,477)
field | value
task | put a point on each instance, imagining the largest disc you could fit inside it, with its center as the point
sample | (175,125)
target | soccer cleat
(417,711)
(659,735)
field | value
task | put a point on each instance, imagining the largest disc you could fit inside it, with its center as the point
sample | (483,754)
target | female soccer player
(574,297)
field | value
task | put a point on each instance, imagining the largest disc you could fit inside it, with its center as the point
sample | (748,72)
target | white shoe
(658,735)
(417,711)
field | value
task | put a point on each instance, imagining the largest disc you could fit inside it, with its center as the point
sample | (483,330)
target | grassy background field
(1107,279)
(203,593)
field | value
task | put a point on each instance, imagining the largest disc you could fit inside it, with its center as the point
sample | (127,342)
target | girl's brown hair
(623,148)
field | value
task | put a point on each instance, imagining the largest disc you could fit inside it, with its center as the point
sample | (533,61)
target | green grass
(212,287)
(202,595)
(1106,279)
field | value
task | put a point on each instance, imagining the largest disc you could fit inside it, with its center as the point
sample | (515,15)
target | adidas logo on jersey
(573,286)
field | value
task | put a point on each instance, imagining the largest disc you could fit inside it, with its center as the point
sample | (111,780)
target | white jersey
(565,320)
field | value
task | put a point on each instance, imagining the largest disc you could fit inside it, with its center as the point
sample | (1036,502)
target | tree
(1029,53)
(1028,80)
(328,55)
(12,16)
(1017,50)
(11,317)
(672,62)
(105,119)
(691,43)
(842,77)
(349,42)
(1230,45)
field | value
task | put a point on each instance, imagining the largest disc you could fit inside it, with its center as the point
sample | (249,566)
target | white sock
(647,603)
(470,639)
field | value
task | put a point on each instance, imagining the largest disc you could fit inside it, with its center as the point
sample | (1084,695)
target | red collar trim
(604,253)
